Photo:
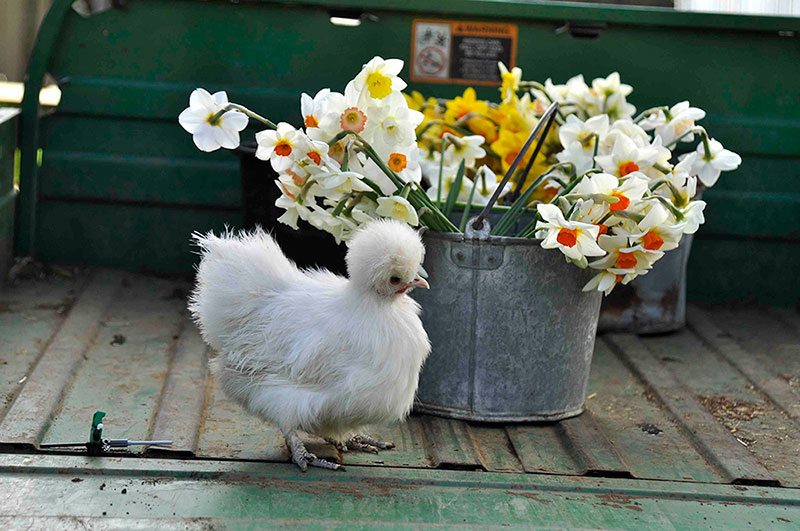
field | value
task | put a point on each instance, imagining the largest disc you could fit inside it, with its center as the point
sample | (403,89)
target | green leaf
(455,189)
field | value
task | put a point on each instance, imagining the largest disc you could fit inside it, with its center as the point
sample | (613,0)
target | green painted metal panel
(127,493)
(8,195)
(126,74)
(126,236)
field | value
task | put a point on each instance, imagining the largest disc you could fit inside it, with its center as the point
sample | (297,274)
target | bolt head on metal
(481,232)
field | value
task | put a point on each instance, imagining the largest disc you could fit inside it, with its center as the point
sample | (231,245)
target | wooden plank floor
(716,403)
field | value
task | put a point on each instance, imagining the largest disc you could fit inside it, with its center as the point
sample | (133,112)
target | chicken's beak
(420,282)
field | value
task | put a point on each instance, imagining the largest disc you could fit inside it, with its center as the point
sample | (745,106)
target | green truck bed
(697,429)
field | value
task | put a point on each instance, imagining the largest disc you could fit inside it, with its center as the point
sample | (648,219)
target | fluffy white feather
(311,350)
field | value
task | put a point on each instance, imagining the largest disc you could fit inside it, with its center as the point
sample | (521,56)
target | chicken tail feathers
(237,272)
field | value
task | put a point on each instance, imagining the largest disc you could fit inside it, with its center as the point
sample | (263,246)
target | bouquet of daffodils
(606,185)
(603,183)
(355,159)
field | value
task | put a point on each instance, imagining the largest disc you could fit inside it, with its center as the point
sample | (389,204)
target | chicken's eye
(394,280)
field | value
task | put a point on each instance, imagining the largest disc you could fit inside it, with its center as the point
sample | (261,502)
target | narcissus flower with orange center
(281,146)
(353,119)
(379,78)
(397,162)
(211,130)
(313,109)
(622,257)
(575,239)
(625,191)
(626,157)
(655,232)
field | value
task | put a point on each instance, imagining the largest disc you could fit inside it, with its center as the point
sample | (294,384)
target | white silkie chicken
(309,350)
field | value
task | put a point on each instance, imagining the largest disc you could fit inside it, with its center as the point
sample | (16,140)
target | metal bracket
(477,256)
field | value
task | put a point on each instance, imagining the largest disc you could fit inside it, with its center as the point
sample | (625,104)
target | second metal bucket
(512,332)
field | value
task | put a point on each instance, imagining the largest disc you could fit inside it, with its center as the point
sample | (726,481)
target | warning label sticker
(445,51)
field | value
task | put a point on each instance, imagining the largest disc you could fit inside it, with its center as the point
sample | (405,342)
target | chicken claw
(303,458)
(365,443)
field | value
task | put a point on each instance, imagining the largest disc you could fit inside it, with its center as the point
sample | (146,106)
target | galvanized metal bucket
(654,303)
(512,332)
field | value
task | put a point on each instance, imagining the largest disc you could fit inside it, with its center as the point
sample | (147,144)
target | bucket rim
(492,240)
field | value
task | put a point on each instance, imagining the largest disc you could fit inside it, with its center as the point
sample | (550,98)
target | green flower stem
(642,115)
(468,207)
(246,112)
(340,206)
(684,135)
(353,203)
(404,191)
(629,215)
(301,197)
(704,136)
(441,170)
(662,169)
(675,212)
(511,216)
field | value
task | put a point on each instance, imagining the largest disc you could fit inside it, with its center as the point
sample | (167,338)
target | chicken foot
(362,443)
(302,457)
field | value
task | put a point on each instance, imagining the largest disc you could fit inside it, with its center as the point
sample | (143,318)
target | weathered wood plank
(124,371)
(31,312)
(34,407)
(180,409)
(714,441)
(591,449)
(450,444)
(649,440)
(541,449)
(754,422)
(754,365)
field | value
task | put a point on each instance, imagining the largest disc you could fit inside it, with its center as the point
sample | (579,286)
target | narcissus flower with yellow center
(399,208)
(379,78)
(211,128)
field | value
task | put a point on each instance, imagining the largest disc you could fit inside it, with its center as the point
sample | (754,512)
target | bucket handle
(479,224)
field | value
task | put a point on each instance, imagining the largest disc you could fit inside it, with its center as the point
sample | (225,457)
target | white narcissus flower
(313,109)
(611,85)
(708,166)
(288,201)
(626,191)
(209,131)
(397,207)
(654,231)
(341,182)
(693,216)
(379,78)
(392,124)
(281,146)
(675,122)
(576,240)
(624,258)
(585,133)
(627,157)
(604,281)
(467,148)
